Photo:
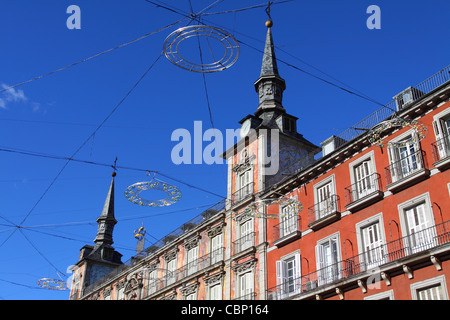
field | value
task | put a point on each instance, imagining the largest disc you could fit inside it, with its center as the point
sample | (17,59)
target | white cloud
(11,95)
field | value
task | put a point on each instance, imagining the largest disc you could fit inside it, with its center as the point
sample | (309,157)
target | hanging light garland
(420,132)
(173,45)
(132,193)
(256,209)
(53,284)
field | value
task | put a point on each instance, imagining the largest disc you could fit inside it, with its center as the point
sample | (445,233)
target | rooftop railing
(422,89)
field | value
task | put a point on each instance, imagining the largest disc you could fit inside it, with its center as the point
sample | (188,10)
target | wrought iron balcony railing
(248,296)
(441,149)
(323,209)
(243,243)
(287,226)
(405,167)
(242,194)
(362,188)
(415,243)
(155,285)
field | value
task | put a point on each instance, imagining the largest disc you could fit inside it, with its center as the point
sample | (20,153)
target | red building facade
(375,222)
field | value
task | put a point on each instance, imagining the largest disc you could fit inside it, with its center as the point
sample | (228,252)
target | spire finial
(269,23)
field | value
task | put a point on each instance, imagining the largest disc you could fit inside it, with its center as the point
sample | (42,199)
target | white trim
(381,296)
(364,223)
(441,114)
(402,207)
(368,156)
(429,282)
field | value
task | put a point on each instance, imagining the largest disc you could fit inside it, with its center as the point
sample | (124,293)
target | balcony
(406,172)
(441,153)
(324,213)
(287,230)
(388,256)
(363,193)
(248,296)
(243,244)
(199,265)
(245,193)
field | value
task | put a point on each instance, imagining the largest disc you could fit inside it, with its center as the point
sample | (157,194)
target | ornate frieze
(245,266)
(215,230)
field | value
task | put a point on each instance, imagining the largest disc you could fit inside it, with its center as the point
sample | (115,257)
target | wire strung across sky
(192,16)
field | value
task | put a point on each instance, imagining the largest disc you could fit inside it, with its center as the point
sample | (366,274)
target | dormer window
(289,125)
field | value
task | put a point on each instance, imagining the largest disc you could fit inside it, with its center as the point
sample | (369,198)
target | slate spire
(270,85)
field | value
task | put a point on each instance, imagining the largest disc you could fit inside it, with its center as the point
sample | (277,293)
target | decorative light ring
(132,193)
(419,128)
(53,284)
(227,59)
(255,209)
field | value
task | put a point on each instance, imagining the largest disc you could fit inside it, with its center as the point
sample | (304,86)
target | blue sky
(54,115)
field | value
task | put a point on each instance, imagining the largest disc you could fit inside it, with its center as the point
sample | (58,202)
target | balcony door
(364,185)
(420,231)
(327,256)
(373,245)
(325,204)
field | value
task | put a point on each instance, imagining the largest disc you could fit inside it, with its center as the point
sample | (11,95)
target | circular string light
(420,132)
(133,193)
(53,284)
(256,209)
(220,60)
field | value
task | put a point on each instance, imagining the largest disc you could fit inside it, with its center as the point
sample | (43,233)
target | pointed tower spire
(270,85)
(106,221)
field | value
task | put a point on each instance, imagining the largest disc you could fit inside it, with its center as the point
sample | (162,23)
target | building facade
(374,221)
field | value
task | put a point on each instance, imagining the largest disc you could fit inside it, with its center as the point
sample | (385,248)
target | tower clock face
(245,128)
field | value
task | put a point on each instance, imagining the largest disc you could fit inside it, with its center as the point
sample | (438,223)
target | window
(373,245)
(364,180)
(215,292)
(120,293)
(405,159)
(288,276)
(441,127)
(431,289)
(325,201)
(171,267)
(152,281)
(246,235)
(417,222)
(327,258)
(245,185)
(246,286)
(191,296)
(192,260)
(216,248)
(288,220)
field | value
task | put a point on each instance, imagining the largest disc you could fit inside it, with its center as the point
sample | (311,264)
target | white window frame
(216,243)
(171,276)
(439,131)
(328,273)
(395,157)
(211,287)
(152,282)
(248,242)
(283,284)
(192,256)
(375,256)
(362,191)
(381,296)
(407,205)
(288,223)
(440,280)
(318,202)
(246,278)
